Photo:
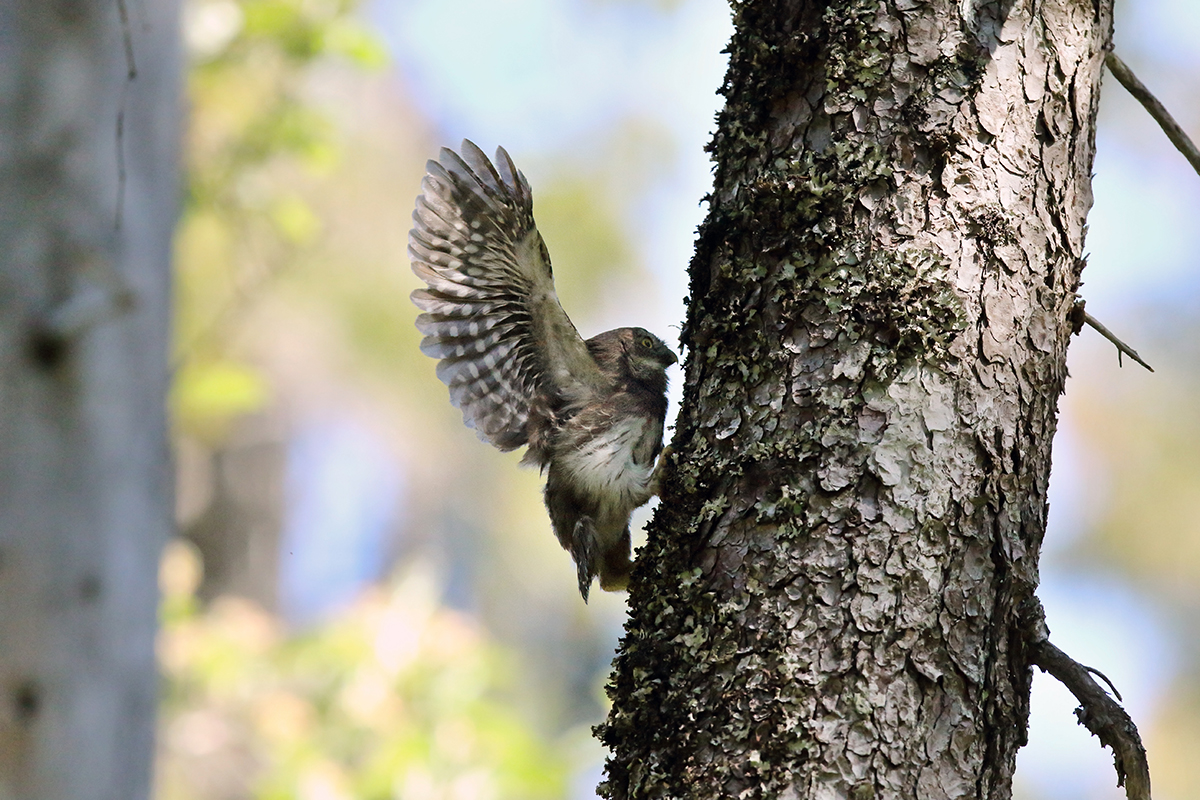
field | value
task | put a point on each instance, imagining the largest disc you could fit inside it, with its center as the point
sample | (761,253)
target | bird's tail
(583,550)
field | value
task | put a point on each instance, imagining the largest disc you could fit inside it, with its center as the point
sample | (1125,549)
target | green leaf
(218,391)
(295,219)
(361,46)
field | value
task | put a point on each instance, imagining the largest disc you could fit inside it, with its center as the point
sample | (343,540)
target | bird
(589,412)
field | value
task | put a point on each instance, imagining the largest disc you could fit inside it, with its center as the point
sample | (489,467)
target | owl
(590,413)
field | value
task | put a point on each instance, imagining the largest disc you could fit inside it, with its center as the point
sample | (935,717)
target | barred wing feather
(507,350)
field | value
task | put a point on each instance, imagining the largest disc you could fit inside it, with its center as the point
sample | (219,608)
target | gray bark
(85,478)
(830,603)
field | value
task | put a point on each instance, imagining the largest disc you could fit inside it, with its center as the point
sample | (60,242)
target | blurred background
(366,601)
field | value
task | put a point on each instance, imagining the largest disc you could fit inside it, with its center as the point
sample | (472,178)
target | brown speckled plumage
(591,413)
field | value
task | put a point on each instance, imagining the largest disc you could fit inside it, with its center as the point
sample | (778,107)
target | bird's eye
(646,343)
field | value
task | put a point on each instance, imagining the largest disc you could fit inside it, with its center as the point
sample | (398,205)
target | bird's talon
(667,454)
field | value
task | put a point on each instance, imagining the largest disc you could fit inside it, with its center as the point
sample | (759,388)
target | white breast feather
(605,465)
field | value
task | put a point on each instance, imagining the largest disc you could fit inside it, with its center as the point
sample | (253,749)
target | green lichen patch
(860,51)
(901,299)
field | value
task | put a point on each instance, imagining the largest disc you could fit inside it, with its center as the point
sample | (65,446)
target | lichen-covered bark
(877,333)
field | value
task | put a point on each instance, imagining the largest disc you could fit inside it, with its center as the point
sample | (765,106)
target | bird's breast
(613,463)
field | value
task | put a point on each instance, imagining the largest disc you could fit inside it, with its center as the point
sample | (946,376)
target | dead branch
(1079,317)
(1112,337)
(1098,711)
(1170,127)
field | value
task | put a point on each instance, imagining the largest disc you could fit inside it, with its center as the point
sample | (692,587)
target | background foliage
(369,603)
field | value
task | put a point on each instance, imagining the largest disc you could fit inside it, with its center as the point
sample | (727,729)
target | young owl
(591,412)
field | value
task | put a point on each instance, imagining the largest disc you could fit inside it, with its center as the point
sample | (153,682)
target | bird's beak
(671,357)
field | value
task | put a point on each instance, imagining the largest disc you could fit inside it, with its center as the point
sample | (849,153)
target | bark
(85,478)
(829,605)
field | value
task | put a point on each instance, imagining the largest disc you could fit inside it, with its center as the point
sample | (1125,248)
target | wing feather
(507,350)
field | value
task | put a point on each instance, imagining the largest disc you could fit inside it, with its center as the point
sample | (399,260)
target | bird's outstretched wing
(508,351)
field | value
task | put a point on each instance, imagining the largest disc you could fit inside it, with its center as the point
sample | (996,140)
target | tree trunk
(85,478)
(830,602)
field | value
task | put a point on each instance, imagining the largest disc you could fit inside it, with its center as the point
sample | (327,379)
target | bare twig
(245,294)
(1164,119)
(1121,346)
(1098,711)
(1079,317)
(1104,678)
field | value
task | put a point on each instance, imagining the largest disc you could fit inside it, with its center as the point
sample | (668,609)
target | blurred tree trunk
(878,328)
(85,478)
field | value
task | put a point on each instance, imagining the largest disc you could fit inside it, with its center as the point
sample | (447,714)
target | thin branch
(1098,711)
(1121,346)
(1164,119)
(1112,688)
(245,293)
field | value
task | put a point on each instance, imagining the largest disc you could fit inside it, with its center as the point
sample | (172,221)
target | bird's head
(646,356)
(644,348)
(633,353)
